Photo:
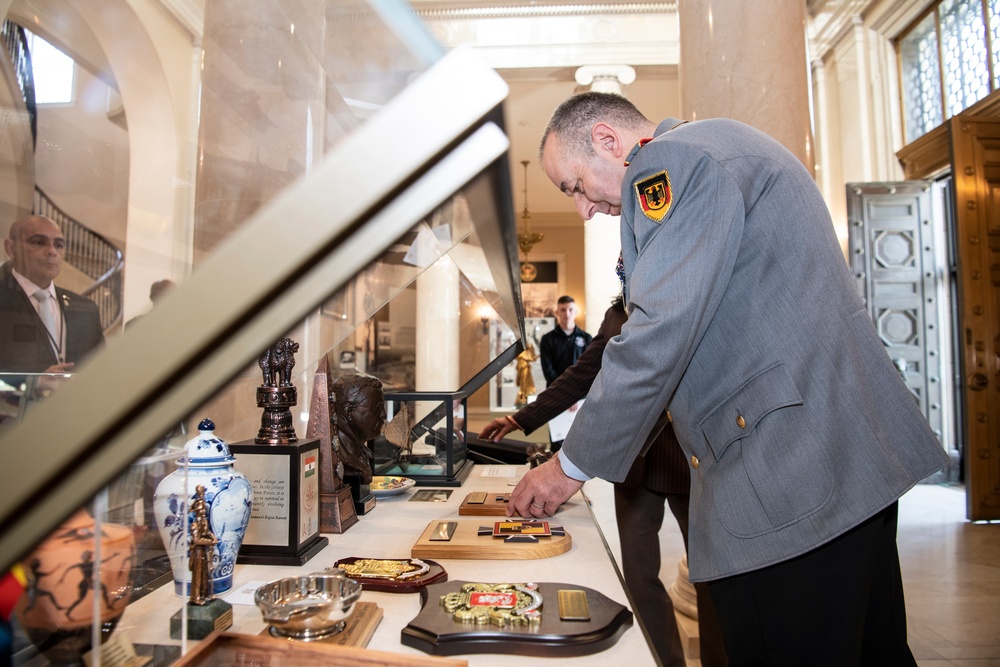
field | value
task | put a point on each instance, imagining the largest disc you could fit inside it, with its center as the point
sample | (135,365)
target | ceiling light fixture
(527,239)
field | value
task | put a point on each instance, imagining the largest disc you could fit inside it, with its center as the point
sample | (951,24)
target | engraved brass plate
(573,605)
(477,498)
(444,531)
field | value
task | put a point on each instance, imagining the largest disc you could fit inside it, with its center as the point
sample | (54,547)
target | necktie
(46,311)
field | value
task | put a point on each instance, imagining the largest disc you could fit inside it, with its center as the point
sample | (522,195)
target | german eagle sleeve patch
(654,195)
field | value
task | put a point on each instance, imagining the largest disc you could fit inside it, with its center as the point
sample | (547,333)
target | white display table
(389,531)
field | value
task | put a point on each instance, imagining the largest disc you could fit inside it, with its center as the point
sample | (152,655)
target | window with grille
(948,62)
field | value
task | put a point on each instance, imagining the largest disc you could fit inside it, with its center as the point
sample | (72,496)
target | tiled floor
(951,571)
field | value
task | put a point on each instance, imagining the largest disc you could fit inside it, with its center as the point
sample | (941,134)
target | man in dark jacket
(36,247)
(661,474)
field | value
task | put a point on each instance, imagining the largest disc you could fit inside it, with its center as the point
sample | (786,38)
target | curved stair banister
(17,48)
(86,250)
(93,255)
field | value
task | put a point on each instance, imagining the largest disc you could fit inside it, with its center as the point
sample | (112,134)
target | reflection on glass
(187,145)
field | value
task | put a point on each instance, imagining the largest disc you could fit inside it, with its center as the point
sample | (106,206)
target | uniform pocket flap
(736,417)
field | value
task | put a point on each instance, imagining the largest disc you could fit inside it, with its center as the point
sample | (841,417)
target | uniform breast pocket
(767,472)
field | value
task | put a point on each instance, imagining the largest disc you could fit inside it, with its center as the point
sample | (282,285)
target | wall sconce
(484,316)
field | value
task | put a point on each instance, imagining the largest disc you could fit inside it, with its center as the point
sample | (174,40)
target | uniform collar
(665,126)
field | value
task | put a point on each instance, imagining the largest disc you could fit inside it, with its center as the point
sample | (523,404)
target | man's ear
(606,138)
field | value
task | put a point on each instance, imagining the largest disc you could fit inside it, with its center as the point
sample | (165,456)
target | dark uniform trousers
(766,611)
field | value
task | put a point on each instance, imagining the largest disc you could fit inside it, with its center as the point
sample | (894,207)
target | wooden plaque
(467,543)
(486,503)
(231,649)
(435,631)
(435,575)
(358,627)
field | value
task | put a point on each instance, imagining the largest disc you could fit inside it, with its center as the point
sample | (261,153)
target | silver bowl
(308,607)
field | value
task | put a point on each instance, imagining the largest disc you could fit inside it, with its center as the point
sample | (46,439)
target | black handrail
(86,250)
(16,41)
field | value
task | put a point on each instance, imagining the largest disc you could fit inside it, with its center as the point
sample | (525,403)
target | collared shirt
(29,289)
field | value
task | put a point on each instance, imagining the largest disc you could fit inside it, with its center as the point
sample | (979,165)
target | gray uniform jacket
(744,323)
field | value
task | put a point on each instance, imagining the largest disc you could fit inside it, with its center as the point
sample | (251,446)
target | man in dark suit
(661,474)
(561,347)
(36,247)
(746,326)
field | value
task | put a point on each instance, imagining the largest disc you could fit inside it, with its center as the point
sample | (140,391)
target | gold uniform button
(694,461)
(670,417)
(742,423)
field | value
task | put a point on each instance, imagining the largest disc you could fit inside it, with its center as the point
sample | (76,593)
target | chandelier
(527,239)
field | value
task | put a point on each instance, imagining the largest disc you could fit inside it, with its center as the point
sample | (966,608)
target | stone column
(747,61)
(601,235)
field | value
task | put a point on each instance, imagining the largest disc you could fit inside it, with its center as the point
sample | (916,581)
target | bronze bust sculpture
(357,415)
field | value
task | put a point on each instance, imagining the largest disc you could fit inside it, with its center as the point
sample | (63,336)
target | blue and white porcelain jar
(206,462)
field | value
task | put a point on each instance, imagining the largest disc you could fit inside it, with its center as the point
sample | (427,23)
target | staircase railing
(86,250)
(93,255)
(16,43)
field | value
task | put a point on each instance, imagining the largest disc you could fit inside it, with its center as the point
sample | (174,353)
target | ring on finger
(534,504)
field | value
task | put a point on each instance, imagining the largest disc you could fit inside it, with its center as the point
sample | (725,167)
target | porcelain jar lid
(206,449)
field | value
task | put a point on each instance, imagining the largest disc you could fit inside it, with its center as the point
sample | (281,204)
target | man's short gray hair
(574,119)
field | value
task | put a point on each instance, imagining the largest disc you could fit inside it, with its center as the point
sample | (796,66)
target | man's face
(37,250)
(593,181)
(368,417)
(566,313)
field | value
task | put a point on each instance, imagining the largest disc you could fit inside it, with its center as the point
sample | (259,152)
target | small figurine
(525,381)
(203,542)
(205,612)
(277,394)
(277,361)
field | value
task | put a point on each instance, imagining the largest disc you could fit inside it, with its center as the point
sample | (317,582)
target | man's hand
(497,429)
(49,383)
(542,491)
(63,367)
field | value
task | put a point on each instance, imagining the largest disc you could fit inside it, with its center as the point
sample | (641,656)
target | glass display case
(348,189)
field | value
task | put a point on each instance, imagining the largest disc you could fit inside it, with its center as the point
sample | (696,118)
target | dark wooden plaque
(436,632)
(435,575)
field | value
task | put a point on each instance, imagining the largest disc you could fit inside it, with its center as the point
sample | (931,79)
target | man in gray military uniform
(745,326)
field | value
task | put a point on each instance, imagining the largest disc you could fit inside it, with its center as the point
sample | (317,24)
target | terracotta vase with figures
(78,570)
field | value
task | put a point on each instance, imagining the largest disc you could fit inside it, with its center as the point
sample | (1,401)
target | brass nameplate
(573,605)
(444,531)
(477,498)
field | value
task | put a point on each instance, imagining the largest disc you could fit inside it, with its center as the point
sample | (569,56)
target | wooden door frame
(957,146)
(975,150)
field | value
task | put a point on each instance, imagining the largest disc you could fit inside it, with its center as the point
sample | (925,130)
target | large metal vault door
(897,258)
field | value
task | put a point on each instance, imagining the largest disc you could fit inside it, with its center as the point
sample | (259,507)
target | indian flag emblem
(310,466)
